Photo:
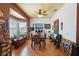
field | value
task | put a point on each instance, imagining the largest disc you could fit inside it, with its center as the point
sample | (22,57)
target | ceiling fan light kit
(40,15)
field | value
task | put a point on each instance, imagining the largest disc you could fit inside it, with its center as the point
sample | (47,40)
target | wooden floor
(25,50)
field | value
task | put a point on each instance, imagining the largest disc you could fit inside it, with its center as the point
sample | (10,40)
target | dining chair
(36,41)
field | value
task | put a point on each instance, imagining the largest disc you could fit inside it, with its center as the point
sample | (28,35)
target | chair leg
(40,46)
(32,45)
(44,44)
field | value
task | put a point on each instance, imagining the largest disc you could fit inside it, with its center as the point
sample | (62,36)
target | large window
(22,27)
(17,27)
(13,27)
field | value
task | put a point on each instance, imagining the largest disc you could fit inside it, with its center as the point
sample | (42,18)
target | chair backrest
(59,36)
(36,38)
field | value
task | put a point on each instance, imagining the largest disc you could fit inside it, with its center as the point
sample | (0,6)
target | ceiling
(14,13)
(29,8)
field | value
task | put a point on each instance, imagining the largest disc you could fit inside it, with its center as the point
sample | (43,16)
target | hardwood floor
(25,50)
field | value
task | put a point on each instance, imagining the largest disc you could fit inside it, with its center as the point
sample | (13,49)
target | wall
(4,7)
(40,20)
(67,14)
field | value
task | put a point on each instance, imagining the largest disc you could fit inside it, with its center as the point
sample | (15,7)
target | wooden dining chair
(36,41)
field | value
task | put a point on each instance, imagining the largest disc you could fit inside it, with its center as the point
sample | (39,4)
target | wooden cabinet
(5,49)
(5,42)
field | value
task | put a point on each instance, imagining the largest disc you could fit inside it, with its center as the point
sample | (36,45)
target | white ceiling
(29,8)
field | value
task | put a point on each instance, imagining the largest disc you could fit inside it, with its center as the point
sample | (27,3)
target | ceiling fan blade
(44,14)
(35,11)
(44,11)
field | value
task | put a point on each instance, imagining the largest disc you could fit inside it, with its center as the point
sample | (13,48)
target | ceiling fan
(40,12)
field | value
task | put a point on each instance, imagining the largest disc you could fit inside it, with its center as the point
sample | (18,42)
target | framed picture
(47,26)
(61,25)
(56,26)
(38,26)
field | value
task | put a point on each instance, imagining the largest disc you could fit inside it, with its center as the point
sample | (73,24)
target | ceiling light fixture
(40,15)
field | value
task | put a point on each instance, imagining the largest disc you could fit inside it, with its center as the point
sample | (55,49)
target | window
(17,28)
